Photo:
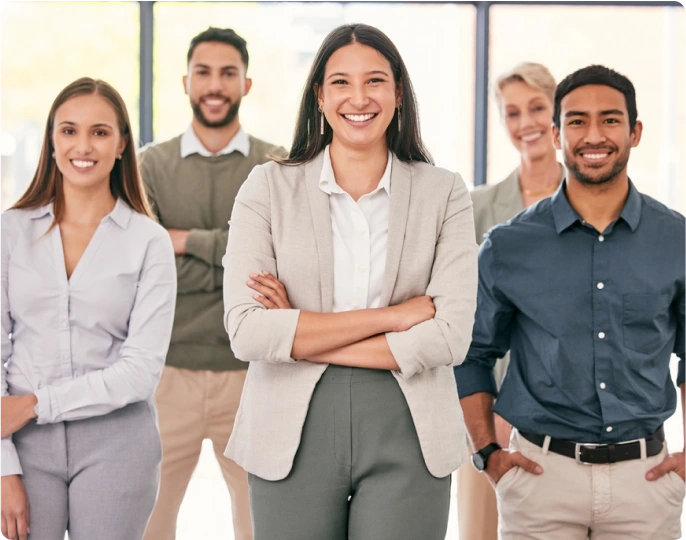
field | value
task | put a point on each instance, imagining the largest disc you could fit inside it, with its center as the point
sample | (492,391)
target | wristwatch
(480,457)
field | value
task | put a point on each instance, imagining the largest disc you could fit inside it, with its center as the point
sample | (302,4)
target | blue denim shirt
(591,320)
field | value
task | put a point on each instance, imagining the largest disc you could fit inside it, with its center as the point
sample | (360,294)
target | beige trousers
(194,406)
(477,512)
(571,501)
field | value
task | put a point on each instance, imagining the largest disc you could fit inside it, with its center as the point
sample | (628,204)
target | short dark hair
(405,143)
(220,35)
(597,74)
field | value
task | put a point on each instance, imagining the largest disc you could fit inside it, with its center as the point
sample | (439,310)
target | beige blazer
(281,223)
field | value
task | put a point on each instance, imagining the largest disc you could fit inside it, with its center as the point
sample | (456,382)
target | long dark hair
(125,178)
(307,142)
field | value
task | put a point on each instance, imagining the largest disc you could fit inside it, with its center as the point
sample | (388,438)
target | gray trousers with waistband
(359,473)
(96,478)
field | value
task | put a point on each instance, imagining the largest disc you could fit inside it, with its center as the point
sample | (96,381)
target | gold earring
(53,155)
(399,117)
(321,128)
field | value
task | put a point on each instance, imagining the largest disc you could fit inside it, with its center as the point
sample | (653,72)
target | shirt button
(602,386)
(601,238)
(64,324)
(601,285)
(601,335)
(608,429)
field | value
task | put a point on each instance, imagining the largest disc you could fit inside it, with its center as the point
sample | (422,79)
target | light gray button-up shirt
(93,343)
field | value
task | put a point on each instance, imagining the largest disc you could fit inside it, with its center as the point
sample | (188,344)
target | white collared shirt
(95,342)
(360,234)
(190,144)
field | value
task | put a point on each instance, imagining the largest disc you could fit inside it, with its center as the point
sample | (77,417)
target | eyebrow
(100,124)
(608,112)
(341,74)
(205,66)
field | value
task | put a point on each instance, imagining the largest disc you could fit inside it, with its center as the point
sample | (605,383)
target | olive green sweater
(198,193)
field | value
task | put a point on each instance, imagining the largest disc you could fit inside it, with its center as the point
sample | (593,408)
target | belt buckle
(577,452)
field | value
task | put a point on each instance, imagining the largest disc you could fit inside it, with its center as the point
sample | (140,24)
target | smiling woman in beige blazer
(350,287)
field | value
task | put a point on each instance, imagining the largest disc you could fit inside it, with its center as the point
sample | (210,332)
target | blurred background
(452,50)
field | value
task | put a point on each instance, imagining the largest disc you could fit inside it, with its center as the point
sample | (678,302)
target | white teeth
(359,117)
(532,137)
(82,164)
(595,156)
(214,102)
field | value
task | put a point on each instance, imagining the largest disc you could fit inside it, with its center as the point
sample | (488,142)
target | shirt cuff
(472,378)
(10,458)
(46,406)
(680,373)
(200,244)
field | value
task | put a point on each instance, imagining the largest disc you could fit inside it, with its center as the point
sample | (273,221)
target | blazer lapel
(323,233)
(508,200)
(401,178)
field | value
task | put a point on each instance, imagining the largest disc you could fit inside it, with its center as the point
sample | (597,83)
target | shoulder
(484,195)
(15,220)
(535,221)
(150,233)
(666,216)
(263,149)
(155,152)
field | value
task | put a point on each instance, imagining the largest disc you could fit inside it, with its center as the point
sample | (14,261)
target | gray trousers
(96,478)
(359,473)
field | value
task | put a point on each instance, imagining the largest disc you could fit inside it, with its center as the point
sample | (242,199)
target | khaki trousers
(477,510)
(194,406)
(571,501)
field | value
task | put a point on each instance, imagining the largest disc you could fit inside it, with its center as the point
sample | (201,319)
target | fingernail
(250,282)
(538,469)
(265,272)
(256,296)
(253,275)
(650,475)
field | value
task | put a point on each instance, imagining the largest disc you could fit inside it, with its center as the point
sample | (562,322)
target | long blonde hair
(125,178)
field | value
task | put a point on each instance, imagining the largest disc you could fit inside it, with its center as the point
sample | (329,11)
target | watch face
(478,462)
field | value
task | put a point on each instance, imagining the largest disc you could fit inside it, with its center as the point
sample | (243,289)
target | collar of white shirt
(327,180)
(190,144)
(120,214)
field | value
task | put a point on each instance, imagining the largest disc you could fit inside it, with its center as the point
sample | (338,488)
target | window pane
(282,41)
(653,58)
(45,46)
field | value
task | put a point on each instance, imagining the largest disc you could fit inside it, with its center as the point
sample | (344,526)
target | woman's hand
(272,293)
(411,312)
(15,508)
(16,412)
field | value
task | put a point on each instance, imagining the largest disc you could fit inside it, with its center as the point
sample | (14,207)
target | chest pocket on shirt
(646,321)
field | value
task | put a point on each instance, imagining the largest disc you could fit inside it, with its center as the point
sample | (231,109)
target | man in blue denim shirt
(586,289)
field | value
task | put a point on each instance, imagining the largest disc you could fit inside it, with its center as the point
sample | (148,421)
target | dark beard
(588,180)
(231,115)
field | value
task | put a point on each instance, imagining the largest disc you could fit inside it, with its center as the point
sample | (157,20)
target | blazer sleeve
(256,333)
(444,340)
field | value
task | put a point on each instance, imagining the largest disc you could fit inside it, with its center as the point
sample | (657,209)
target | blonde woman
(525,100)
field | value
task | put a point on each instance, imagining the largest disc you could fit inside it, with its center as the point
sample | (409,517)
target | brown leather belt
(597,454)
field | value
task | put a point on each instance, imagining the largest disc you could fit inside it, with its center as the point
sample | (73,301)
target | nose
(215,86)
(525,120)
(594,135)
(359,97)
(83,144)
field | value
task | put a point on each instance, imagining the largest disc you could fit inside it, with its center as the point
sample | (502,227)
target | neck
(215,138)
(600,204)
(87,206)
(542,174)
(358,170)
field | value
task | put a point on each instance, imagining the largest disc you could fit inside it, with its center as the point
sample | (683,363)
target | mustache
(215,96)
(596,147)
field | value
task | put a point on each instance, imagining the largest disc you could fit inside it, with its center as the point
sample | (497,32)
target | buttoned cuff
(680,373)
(472,378)
(10,458)
(46,407)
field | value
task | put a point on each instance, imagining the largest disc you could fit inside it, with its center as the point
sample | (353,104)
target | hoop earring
(321,128)
(399,117)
